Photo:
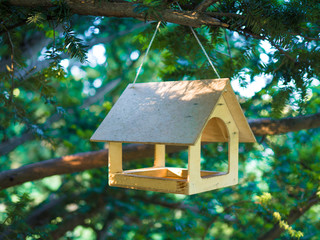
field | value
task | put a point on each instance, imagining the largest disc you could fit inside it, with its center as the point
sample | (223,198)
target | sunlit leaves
(264,198)
(36,19)
(283,224)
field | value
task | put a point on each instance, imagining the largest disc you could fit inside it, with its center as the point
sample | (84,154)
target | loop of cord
(154,35)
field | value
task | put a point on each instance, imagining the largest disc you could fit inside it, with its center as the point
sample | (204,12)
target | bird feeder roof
(171,113)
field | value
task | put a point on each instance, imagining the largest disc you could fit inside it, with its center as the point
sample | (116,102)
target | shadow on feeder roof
(175,113)
(171,113)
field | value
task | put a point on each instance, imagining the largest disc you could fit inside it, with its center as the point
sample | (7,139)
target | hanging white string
(144,57)
(204,51)
(154,35)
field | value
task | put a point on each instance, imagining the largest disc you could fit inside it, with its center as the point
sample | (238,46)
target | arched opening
(214,148)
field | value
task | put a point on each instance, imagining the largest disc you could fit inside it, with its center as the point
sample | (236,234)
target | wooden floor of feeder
(169,173)
(161,179)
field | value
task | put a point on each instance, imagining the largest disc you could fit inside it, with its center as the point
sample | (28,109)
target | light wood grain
(161,112)
(202,184)
(184,181)
(180,113)
(115,157)
(171,113)
(215,131)
(245,132)
(160,155)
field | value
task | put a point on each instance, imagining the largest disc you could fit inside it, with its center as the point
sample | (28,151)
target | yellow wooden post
(159,155)
(115,157)
(181,113)
(233,154)
(194,155)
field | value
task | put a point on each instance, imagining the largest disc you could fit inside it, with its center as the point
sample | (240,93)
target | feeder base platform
(169,180)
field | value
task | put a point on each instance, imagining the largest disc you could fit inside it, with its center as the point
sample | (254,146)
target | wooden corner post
(194,168)
(159,155)
(115,157)
(233,153)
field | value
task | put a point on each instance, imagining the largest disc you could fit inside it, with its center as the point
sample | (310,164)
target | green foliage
(74,45)
(280,101)
(17,210)
(14,225)
(150,8)
(59,95)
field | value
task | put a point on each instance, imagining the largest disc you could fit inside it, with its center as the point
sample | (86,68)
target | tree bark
(127,9)
(267,126)
(73,163)
(89,160)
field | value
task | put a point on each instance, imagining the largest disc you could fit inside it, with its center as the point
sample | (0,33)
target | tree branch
(73,220)
(29,47)
(247,32)
(261,127)
(46,211)
(12,66)
(204,5)
(10,145)
(14,142)
(294,215)
(9,28)
(126,9)
(89,160)
(101,93)
(222,14)
(72,163)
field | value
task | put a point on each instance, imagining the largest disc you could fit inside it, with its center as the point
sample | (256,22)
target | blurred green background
(62,73)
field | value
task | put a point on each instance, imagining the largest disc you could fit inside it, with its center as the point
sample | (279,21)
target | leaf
(8,68)
(36,19)
(74,45)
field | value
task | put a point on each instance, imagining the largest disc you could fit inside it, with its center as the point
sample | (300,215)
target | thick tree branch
(261,127)
(89,160)
(126,9)
(72,163)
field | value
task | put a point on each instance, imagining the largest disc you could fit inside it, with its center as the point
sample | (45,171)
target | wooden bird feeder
(183,113)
